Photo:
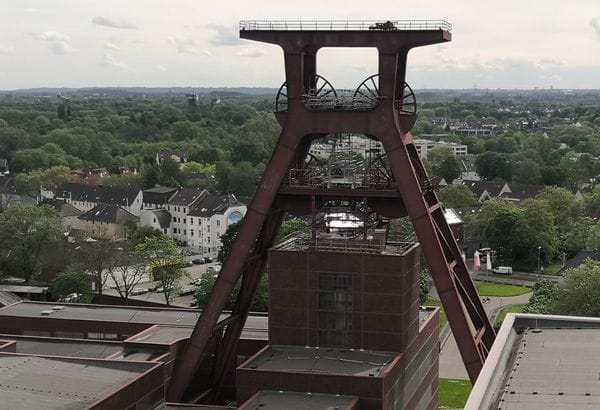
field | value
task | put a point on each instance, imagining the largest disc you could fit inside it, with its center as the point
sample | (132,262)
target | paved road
(451,365)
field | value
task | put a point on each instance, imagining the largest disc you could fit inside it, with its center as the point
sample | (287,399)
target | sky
(156,43)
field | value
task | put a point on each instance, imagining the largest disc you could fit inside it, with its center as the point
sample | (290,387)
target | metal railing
(342,100)
(303,243)
(345,25)
(318,178)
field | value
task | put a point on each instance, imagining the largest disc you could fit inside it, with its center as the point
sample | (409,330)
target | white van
(503,270)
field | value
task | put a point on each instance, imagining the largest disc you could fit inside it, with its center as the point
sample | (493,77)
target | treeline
(232,136)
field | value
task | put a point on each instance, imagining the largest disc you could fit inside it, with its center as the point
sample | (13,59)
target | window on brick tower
(335,310)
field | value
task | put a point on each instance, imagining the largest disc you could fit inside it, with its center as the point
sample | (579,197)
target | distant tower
(344,314)
(64,107)
(192,101)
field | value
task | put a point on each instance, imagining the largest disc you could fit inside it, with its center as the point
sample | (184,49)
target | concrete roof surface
(30,382)
(554,369)
(323,360)
(268,399)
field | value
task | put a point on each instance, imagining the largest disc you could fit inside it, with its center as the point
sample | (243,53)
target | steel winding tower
(308,107)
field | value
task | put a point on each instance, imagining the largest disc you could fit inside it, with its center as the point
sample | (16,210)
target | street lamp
(539,259)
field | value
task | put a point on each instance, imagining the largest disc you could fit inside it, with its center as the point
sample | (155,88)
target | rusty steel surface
(386,122)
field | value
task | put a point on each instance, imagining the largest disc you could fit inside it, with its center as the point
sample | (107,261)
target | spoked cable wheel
(281,101)
(368,90)
(322,88)
(408,104)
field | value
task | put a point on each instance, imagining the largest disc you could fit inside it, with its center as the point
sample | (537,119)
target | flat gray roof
(322,360)
(541,362)
(32,382)
(268,399)
(105,313)
(63,347)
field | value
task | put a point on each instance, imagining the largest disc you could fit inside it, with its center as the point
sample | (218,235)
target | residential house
(582,257)
(85,197)
(69,213)
(525,192)
(158,219)
(157,197)
(9,195)
(192,217)
(485,190)
(177,156)
(209,219)
(424,146)
(179,206)
(105,220)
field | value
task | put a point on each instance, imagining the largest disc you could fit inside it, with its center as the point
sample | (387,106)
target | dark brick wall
(385,297)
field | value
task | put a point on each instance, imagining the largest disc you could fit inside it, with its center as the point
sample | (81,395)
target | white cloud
(161,68)
(107,22)
(595,23)
(5,48)
(183,44)
(224,35)
(110,61)
(252,52)
(111,46)
(59,43)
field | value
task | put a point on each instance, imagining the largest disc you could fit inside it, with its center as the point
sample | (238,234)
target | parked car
(503,270)
(138,291)
(187,291)
(208,259)
(198,261)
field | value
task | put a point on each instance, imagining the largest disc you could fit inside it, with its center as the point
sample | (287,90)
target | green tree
(544,292)
(527,172)
(491,165)
(51,179)
(73,281)
(498,221)
(579,292)
(457,196)
(536,228)
(164,259)
(227,240)
(25,231)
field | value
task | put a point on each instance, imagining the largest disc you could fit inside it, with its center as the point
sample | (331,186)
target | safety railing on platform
(343,25)
(318,178)
(303,243)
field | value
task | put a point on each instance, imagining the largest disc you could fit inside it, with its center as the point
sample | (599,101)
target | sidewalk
(451,365)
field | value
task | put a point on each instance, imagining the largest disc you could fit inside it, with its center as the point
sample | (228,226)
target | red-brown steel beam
(230,273)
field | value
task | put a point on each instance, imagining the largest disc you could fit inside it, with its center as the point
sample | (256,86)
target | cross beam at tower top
(295,35)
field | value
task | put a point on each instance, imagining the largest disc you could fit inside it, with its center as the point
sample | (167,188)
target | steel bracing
(388,120)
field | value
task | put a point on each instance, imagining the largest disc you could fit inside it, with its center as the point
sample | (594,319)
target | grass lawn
(454,393)
(509,309)
(437,303)
(499,289)
(552,269)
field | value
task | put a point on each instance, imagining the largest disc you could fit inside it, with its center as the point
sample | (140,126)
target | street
(195,272)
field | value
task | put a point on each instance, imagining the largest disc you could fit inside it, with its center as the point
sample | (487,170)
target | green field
(437,303)
(499,289)
(454,393)
(509,309)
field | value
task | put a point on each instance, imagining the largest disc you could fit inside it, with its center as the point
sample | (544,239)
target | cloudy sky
(86,43)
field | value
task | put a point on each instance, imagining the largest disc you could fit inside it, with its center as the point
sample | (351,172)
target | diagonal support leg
(250,282)
(232,268)
(457,292)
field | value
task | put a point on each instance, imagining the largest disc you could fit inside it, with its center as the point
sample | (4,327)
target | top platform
(298,36)
(345,25)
